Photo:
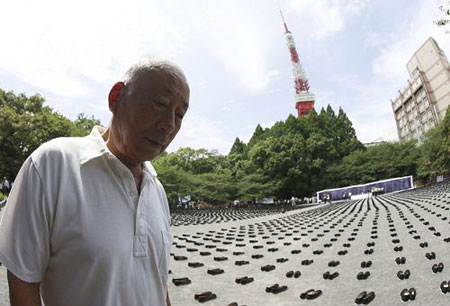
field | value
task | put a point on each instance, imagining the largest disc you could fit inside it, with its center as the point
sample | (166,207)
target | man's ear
(115,94)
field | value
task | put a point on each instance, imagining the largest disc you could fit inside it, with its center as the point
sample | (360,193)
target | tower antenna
(304,100)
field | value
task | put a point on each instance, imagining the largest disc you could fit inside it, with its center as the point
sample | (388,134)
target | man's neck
(136,168)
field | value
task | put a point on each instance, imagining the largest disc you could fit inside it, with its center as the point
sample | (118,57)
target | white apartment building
(422,104)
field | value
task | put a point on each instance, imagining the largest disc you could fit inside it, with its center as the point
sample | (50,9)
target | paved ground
(380,230)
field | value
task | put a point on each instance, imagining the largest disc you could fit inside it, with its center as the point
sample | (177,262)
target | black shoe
(404,295)
(272,288)
(195,264)
(290,274)
(368,298)
(297,274)
(267,268)
(215,271)
(430,256)
(303,295)
(247,280)
(314,294)
(206,297)
(279,289)
(181,281)
(445,287)
(412,294)
(360,297)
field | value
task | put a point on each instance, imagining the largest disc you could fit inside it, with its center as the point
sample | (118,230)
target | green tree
(25,123)
(435,150)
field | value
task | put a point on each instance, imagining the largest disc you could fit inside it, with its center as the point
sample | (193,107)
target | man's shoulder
(59,149)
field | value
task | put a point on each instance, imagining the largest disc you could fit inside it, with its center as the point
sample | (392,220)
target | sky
(233,53)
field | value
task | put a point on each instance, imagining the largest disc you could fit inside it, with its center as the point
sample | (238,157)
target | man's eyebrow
(186,105)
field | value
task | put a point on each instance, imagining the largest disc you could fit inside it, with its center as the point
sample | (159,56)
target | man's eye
(180,116)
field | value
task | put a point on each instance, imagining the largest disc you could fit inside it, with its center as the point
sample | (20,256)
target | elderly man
(87,222)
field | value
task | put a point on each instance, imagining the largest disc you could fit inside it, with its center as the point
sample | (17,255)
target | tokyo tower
(304,100)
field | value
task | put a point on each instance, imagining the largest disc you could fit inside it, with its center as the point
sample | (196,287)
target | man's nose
(166,123)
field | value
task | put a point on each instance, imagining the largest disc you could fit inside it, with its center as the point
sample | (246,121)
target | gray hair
(154,64)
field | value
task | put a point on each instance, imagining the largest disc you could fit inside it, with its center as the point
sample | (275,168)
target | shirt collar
(95,147)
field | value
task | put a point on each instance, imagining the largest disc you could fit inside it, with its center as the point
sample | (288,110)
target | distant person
(88,223)
(5,186)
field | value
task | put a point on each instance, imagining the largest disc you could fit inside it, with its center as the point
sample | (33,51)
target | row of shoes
(275,289)
(408,294)
(205,296)
(365,298)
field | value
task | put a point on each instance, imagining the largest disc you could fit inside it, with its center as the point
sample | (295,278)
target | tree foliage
(444,21)
(25,123)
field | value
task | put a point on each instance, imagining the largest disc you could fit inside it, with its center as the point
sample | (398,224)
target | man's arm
(24,294)
(167,299)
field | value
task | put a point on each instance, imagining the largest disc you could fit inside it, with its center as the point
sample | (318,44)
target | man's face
(149,115)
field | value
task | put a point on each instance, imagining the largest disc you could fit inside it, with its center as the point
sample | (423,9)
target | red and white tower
(304,100)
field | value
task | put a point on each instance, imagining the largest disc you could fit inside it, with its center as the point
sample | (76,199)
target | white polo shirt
(74,222)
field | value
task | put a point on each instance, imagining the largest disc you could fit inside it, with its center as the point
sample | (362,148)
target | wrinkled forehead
(160,82)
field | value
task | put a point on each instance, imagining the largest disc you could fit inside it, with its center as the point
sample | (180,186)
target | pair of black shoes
(445,287)
(398,248)
(178,258)
(181,281)
(423,245)
(244,280)
(366,264)
(400,260)
(364,298)
(368,252)
(275,289)
(295,274)
(205,296)
(437,268)
(215,271)
(307,262)
(333,263)
(430,256)
(241,262)
(267,268)
(281,260)
(363,275)
(403,275)
(195,264)
(330,276)
(310,294)
(408,294)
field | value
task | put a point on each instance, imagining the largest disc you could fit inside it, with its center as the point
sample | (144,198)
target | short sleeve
(25,227)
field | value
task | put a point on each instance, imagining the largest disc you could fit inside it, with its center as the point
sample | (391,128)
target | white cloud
(200,132)
(398,47)
(323,18)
